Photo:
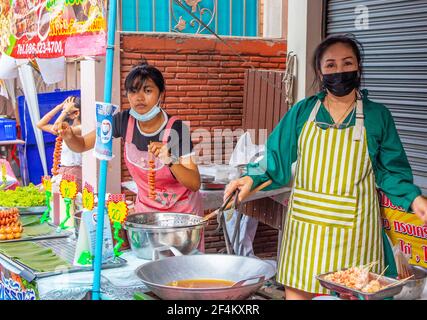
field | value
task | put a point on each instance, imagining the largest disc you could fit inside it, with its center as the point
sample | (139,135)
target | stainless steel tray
(52,235)
(64,248)
(28,210)
(379,295)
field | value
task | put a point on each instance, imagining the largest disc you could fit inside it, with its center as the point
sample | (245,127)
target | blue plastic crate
(7,129)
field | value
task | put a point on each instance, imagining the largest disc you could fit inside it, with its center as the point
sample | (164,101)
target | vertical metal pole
(96,290)
(119,6)
(216,16)
(154,15)
(170,14)
(244,17)
(231,17)
(137,14)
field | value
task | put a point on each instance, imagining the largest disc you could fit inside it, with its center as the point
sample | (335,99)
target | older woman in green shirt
(344,146)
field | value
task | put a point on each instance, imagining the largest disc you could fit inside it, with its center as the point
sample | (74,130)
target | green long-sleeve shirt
(392,171)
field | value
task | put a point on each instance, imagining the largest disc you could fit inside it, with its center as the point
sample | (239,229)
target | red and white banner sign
(53,28)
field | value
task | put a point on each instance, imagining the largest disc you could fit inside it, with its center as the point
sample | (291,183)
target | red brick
(199,106)
(186,75)
(187,63)
(231,64)
(189,88)
(214,111)
(176,69)
(176,105)
(210,123)
(217,81)
(232,88)
(176,81)
(209,63)
(169,100)
(208,76)
(196,81)
(259,59)
(221,58)
(213,99)
(218,70)
(250,64)
(233,99)
(150,57)
(190,99)
(197,69)
(218,117)
(229,76)
(176,57)
(199,57)
(237,81)
(188,51)
(178,93)
(210,88)
(221,105)
(197,93)
(268,65)
(278,59)
(198,117)
(173,112)
(187,111)
(218,93)
(168,75)
(132,55)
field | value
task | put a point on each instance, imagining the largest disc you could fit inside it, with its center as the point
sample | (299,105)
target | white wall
(304,34)
(273,19)
(92,90)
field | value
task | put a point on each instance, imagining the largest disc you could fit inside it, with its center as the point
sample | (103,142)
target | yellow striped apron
(333,221)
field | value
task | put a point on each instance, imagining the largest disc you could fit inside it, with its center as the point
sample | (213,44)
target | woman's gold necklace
(338,122)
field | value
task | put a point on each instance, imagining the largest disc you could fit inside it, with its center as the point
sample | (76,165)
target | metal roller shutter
(395,63)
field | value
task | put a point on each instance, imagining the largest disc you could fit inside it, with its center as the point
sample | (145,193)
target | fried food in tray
(10,224)
(359,282)
(355,278)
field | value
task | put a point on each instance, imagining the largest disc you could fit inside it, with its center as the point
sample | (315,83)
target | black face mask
(342,83)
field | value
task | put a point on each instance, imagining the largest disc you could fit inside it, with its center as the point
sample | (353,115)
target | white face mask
(148,115)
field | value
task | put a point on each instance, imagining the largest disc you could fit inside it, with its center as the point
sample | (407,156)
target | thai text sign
(53,28)
(405,230)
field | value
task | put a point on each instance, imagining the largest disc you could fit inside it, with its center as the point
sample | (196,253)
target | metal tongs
(226,205)
(221,220)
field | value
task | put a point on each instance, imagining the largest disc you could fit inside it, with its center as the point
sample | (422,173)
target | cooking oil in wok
(201,283)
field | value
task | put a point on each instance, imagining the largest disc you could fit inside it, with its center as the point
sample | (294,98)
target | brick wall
(204,81)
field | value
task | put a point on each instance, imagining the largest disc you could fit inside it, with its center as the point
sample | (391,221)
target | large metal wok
(248,274)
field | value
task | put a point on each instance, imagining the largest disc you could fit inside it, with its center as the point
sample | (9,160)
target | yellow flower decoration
(117,211)
(47,183)
(88,199)
(68,189)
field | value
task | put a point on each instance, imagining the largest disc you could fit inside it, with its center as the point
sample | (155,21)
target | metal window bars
(182,22)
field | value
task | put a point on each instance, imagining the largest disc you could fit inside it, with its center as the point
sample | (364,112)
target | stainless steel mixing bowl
(147,231)
(248,274)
